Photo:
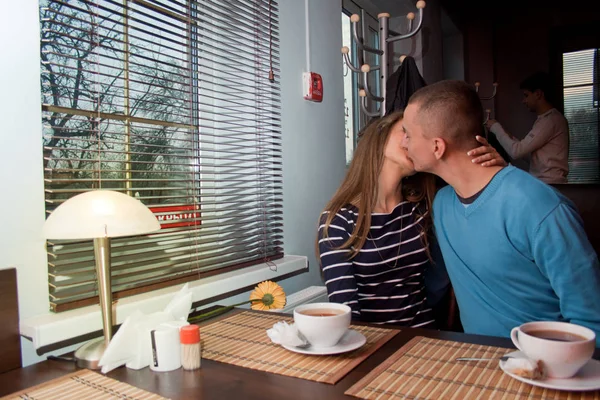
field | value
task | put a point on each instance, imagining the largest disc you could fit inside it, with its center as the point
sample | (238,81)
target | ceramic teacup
(562,347)
(322,324)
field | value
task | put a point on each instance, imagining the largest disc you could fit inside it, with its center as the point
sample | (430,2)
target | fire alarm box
(313,86)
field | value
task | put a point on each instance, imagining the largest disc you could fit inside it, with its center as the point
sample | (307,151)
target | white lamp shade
(99,213)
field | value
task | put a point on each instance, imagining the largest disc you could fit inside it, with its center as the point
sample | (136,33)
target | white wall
(21,174)
(427,46)
(453,57)
(410,47)
(313,133)
(313,142)
(432,42)
(452,49)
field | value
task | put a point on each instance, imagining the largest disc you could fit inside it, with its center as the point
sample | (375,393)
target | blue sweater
(518,253)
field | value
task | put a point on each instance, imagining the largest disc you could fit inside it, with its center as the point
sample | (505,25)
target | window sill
(47,329)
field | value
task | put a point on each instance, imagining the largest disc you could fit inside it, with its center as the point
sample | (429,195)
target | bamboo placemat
(242,340)
(426,369)
(83,384)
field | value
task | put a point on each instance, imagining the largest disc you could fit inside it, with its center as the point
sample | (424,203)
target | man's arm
(565,255)
(540,134)
(338,271)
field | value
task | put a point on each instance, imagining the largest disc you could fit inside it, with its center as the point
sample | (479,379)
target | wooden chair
(453,321)
(10,341)
(586,198)
(446,313)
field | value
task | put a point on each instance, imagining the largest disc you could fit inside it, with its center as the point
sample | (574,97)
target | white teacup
(323,324)
(563,347)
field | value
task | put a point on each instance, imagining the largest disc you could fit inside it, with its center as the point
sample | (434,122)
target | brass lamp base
(89,355)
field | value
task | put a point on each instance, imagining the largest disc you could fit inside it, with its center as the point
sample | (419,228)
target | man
(515,248)
(548,140)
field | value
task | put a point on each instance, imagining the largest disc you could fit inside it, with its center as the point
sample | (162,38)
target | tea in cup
(322,324)
(562,347)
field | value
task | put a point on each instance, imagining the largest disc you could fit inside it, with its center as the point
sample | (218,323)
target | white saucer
(351,340)
(588,377)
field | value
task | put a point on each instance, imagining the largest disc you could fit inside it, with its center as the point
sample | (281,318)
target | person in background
(548,140)
(514,247)
(375,243)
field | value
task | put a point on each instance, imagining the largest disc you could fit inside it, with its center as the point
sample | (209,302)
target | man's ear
(439,148)
(539,94)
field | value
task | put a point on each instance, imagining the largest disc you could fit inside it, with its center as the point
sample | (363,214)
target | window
(580,91)
(351,108)
(354,118)
(174,102)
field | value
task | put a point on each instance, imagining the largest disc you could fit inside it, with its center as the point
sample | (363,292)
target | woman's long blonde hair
(360,186)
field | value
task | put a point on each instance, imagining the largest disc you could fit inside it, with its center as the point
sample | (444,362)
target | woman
(375,241)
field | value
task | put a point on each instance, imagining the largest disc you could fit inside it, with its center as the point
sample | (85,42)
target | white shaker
(166,348)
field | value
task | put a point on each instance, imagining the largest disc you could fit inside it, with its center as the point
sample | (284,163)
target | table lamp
(99,215)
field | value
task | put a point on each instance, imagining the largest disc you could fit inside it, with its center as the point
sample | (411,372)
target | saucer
(351,340)
(588,377)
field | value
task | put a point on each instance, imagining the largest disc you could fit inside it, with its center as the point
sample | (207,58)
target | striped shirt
(384,282)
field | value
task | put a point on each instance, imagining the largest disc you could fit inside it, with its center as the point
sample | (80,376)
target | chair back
(10,340)
(586,198)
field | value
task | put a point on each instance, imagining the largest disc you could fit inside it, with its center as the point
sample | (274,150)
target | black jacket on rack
(402,84)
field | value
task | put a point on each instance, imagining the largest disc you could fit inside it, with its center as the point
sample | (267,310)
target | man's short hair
(453,111)
(538,81)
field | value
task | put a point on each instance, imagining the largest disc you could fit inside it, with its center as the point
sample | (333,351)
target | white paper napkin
(287,334)
(131,344)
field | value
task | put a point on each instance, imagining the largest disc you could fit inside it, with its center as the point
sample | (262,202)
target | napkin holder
(131,345)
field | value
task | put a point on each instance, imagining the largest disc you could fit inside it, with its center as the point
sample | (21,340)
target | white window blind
(580,90)
(175,102)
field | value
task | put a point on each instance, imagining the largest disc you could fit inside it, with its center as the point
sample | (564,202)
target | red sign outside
(176,216)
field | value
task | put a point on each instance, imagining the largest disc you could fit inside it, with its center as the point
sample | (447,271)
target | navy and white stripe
(382,283)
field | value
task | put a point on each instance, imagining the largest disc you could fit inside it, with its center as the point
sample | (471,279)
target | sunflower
(267,296)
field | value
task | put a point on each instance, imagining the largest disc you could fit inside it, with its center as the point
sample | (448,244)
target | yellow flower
(267,296)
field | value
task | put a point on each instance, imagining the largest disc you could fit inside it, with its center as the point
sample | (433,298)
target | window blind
(174,102)
(580,90)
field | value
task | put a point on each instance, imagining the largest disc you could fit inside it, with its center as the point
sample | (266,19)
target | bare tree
(91,95)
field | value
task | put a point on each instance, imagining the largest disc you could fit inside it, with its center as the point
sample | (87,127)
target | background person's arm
(540,134)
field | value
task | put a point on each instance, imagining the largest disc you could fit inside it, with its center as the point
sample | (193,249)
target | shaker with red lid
(189,337)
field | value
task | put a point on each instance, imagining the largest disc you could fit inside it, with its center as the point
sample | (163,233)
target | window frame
(371,25)
(193,275)
(568,39)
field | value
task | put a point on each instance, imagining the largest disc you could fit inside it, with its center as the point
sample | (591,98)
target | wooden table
(224,381)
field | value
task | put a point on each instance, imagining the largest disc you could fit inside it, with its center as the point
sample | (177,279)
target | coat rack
(493,141)
(488,112)
(383,52)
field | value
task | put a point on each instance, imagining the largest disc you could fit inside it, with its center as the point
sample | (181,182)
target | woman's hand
(486,155)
